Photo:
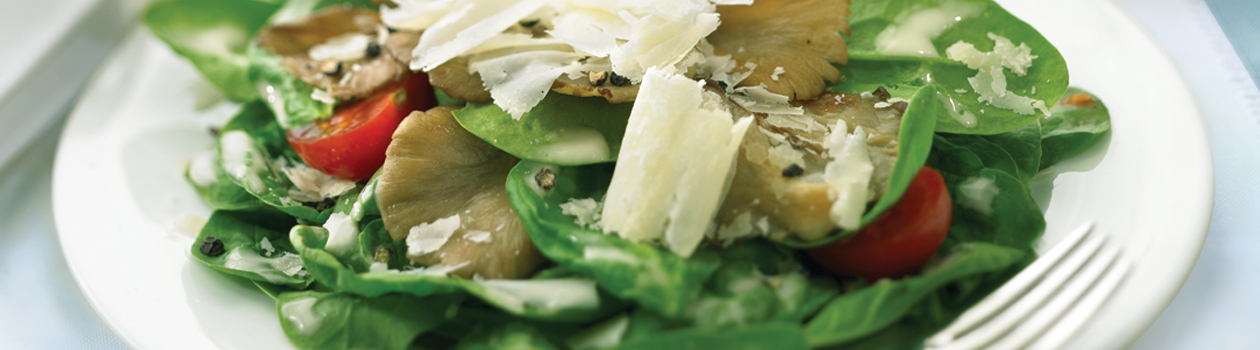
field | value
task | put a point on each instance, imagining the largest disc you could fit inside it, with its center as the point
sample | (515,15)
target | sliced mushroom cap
(298,37)
(350,79)
(454,78)
(799,39)
(435,170)
(797,201)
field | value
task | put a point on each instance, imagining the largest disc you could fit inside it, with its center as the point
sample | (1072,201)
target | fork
(1047,302)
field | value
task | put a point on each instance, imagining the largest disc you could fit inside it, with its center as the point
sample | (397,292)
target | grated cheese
(990,79)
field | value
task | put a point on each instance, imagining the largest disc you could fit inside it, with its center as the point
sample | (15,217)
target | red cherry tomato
(901,241)
(351,145)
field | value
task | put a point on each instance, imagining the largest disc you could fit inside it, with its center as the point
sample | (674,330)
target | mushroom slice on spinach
(447,185)
(765,200)
(793,43)
(356,76)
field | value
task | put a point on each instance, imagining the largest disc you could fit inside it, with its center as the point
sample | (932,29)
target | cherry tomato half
(351,145)
(900,242)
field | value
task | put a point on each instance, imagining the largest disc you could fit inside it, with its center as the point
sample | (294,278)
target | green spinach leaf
(565,299)
(215,186)
(213,35)
(289,98)
(561,129)
(322,320)
(247,145)
(255,246)
(754,337)
(903,75)
(653,277)
(866,311)
(1074,123)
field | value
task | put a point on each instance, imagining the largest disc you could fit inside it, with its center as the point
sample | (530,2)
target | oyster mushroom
(793,43)
(443,182)
(348,28)
(778,187)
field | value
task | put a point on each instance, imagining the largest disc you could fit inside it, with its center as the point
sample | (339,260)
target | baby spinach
(268,141)
(213,35)
(648,274)
(291,99)
(868,68)
(915,143)
(562,129)
(866,311)
(760,282)
(1074,123)
(255,247)
(513,336)
(324,320)
(328,270)
(223,193)
(767,336)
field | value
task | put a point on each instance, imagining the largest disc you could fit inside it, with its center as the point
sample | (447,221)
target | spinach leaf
(322,320)
(868,310)
(762,336)
(1012,218)
(1017,152)
(915,140)
(760,282)
(561,129)
(220,192)
(513,336)
(250,140)
(653,277)
(444,98)
(255,246)
(1074,123)
(288,97)
(904,75)
(511,296)
(213,35)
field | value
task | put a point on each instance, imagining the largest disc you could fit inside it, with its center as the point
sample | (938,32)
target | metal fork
(1044,305)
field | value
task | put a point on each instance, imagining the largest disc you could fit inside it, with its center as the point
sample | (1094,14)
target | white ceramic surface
(118,192)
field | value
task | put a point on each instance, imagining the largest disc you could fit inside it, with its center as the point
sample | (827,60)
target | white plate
(119,195)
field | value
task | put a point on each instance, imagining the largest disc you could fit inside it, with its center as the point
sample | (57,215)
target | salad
(595,174)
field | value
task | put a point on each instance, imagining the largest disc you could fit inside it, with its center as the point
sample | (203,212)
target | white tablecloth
(42,308)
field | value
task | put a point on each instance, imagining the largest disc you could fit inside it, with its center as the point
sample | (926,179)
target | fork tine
(1003,321)
(1063,331)
(1046,316)
(1013,289)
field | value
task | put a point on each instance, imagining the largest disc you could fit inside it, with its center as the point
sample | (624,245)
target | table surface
(1212,42)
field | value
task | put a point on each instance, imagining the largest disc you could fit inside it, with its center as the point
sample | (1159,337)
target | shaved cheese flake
(848,174)
(345,47)
(312,185)
(591,31)
(657,42)
(415,15)
(517,82)
(990,79)
(675,164)
(757,99)
(912,36)
(429,237)
(467,26)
